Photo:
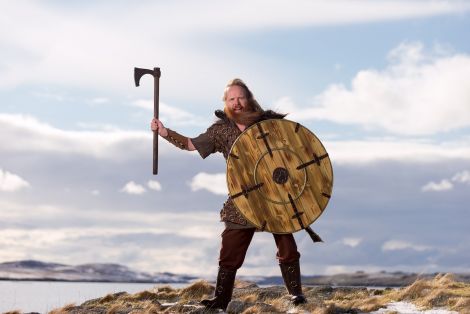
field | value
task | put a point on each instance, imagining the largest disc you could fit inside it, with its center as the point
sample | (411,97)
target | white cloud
(352,242)
(50,96)
(214,183)
(198,225)
(154,185)
(370,150)
(99,100)
(462,177)
(144,104)
(133,188)
(443,185)
(171,115)
(41,52)
(98,127)
(394,245)
(446,184)
(10,182)
(65,240)
(285,104)
(415,94)
(305,13)
(22,133)
(95,192)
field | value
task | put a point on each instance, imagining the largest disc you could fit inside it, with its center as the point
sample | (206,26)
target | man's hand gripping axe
(138,73)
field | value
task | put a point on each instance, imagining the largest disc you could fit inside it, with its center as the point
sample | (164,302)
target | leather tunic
(219,137)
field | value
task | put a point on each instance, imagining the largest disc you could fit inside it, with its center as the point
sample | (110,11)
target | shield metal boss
(279,176)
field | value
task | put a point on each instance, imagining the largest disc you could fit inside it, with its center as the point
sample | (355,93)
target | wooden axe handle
(156,102)
(138,73)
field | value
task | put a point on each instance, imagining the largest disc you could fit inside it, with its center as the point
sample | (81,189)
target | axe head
(139,72)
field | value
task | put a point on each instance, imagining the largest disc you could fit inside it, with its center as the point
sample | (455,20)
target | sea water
(44,296)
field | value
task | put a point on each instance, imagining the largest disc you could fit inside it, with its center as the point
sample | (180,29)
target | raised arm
(171,136)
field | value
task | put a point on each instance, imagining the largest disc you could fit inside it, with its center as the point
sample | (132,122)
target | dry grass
(196,291)
(358,299)
(441,291)
(116,308)
(261,308)
(141,296)
(166,293)
(242,284)
(147,307)
(109,298)
(166,288)
(417,290)
(463,304)
(249,298)
(280,304)
(64,310)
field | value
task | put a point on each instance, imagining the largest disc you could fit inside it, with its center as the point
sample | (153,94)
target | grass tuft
(110,298)
(441,291)
(417,290)
(249,298)
(165,288)
(62,310)
(196,291)
(165,293)
(142,296)
(116,309)
(261,308)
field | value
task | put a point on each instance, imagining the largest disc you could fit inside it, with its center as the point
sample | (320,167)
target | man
(240,111)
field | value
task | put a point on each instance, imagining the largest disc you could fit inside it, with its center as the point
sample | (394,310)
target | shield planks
(279,176)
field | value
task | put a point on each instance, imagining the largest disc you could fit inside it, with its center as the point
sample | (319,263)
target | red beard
(246,117)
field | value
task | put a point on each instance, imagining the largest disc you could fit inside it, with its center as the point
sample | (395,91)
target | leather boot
(291,275)
(223,290)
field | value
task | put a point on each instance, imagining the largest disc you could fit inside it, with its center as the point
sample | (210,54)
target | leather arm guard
(177,139)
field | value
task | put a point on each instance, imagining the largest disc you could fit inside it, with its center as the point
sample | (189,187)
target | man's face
(236,100)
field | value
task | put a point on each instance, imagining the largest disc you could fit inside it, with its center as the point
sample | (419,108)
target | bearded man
(240,111)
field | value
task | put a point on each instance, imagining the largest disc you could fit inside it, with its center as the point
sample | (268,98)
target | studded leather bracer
(177,139)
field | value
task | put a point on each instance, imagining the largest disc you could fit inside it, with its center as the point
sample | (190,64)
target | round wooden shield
(279,176)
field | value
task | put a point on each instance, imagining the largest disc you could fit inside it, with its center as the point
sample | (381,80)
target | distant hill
(378,279)
(37,270)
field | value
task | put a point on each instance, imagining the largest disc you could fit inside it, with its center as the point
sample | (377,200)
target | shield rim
(227,183)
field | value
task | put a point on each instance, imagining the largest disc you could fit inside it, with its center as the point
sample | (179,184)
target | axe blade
(139,72)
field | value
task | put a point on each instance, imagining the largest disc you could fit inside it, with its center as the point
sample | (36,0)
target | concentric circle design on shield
(279,176)
(293,183)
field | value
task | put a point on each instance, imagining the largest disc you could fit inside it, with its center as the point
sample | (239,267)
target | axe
(138,73)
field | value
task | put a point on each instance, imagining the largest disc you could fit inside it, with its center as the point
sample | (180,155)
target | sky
(384,84)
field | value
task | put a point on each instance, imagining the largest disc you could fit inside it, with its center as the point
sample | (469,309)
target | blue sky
(384,84)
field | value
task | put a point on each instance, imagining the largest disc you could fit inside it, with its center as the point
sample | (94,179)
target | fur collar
(268,114)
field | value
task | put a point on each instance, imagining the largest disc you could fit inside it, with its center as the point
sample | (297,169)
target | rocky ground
(442,291)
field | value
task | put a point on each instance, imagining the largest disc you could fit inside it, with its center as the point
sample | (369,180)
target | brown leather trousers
(235,243)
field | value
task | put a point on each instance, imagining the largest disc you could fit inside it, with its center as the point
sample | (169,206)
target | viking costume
(236,237)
